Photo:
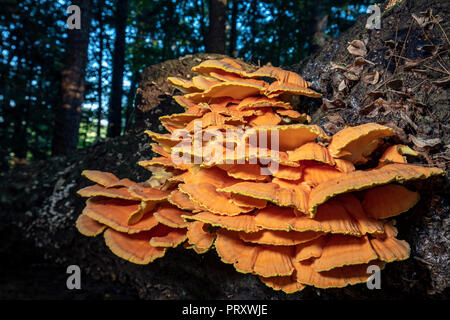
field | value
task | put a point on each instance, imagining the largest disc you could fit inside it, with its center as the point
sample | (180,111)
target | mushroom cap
(335,278)
(200,239)
(165,140)
(291,136)
(89,227)
(244,171)
(344,165)
(185,86)
(105,179)
(156,148)
(279,238)
(177,120)
(311,151)
(215,176)
(242,222)
(247,202)
(266,261)
(163,162)
(116,214)
(228,77)
(148,193)
(190,106)
(331,218)
(276,89)
(287,172)
(282,76)
(356,143)
(205,195)
(181,200)
(236,90)
(98,190)
(343,250)
(271,192)
(204,83)
(359,180)
(389,200)
(171,239)
(389,248)
(311,249)
(268,118)
(314,175)
(227,65)
(262,102)
(396,153)
(294,115)
(287,284)
(365,223)
(171,216)
(135,248)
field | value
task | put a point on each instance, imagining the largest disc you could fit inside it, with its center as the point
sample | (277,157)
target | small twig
(422,260)
(443,67)
(438,70)
(403,47)
(437,22)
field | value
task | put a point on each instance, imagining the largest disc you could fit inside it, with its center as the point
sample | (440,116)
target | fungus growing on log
(274,196)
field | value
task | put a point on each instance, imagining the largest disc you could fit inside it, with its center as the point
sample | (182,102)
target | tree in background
(72,87)
(216,34)
(115,108)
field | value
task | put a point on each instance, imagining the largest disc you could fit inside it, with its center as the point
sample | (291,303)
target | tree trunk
(68,112)
(115,109)
(100,69)
(216,35)
(233,32)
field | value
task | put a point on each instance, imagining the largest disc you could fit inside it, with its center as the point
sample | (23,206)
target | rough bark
(115,108)
(39,204)
(68,112)
(216,34)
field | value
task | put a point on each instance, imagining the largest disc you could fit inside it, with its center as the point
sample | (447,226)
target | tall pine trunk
(72,88)
(100,69)
(115,109)
(233,32)
(216,34)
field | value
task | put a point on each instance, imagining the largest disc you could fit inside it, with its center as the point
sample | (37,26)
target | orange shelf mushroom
(273,195)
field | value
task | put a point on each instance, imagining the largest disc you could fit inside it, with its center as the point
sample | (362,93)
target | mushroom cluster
(244,173)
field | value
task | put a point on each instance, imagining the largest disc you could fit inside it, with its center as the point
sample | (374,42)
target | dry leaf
(335,66)
(357,48)
(360,61)
(395,84)
(342,86)
(409,64)
(335,104)
(423,143)
(371,78)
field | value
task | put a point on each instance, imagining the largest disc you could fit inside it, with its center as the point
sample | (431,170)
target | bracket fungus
(276,197)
